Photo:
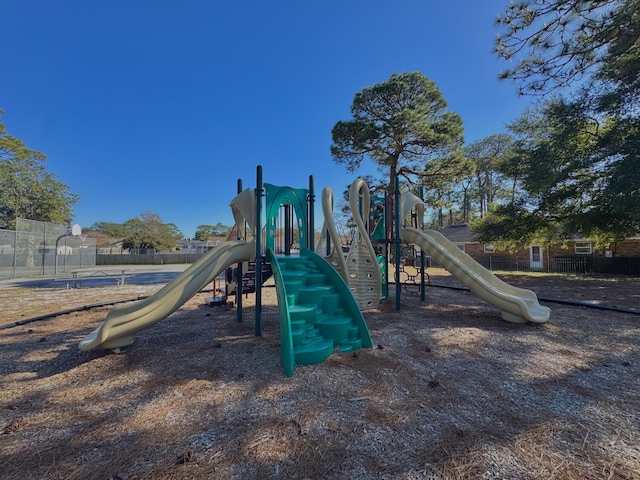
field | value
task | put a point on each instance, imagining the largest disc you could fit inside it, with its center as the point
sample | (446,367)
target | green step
(312,295)
(297,337)
(314,352)
(353,332)
(292,287)
(336,328)
(303,312)
(316,278)
(298,325)
(330,303)
(293,276)
(350,345)
(312,332)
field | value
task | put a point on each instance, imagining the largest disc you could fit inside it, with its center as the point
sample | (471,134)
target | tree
(554,43)
(577,178)
(204,232)
(148,231)
(580,156)
(442,189)
(488,156)
(113,230)
(400,125)
(26,189)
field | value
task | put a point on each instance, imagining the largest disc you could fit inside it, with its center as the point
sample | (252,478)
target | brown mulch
(607,291)
(450,391)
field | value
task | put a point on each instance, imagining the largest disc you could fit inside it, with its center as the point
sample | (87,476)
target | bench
(78,276)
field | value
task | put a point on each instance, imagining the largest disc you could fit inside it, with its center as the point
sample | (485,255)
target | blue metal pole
(239,274)
(258,278)
(397,239)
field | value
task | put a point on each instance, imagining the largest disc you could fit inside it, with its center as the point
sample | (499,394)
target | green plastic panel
(277,196)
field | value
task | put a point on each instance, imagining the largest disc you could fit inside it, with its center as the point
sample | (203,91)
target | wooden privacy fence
(146,259)
(579,265)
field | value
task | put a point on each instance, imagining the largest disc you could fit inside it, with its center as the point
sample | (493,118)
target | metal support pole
(311,237)
(55,253)
(15,253)
(386,239)
(423,258)
(44,245)
(287,229)
(397,239)
(258,279)
(240,274)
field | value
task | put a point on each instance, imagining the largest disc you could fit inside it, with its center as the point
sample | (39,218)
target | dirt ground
(450,391)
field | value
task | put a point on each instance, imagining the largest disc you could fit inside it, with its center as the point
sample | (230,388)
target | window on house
(583,248)
(488,248)
(460,246)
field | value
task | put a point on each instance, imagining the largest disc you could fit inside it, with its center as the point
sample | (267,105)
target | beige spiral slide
(122,323)
(517,305)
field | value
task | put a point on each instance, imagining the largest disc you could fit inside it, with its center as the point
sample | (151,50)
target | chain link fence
(42,248)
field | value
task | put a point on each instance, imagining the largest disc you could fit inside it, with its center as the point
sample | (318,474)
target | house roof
(459,234)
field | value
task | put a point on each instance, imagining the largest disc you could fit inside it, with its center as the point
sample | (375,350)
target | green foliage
(175,231)
(446,184)
(553,43)
(489,182)
(26,189)
(204,232)
(148,231)
(578,158)
(113,230)
(401,125)
(579,175)
(514,225)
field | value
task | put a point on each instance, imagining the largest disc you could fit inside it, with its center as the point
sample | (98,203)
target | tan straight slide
(123,322)
(518,305)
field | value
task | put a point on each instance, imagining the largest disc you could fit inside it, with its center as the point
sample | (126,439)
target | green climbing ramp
(318,314)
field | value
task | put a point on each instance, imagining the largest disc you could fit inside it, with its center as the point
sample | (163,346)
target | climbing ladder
(248,278)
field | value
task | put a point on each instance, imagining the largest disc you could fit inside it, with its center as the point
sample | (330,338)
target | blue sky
(161,106)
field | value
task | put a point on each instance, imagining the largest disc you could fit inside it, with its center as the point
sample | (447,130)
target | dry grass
(449,392)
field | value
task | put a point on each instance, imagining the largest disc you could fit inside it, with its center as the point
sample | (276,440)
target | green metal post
(258,280)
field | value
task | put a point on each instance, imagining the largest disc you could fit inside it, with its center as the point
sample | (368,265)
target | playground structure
(320,296)
(317,311)
(360,269)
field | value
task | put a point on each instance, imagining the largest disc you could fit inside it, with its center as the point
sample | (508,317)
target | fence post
(15,252)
